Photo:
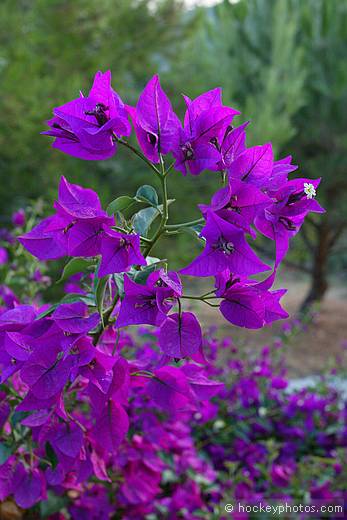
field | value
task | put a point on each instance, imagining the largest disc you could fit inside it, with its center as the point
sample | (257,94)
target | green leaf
(143,219)
(100,293)
(53,504)
(193,231)
(76,297)
(119,281)
(17,417)
(51,455)
(76,265)
(5,452)
(147,194)
(153,260)
(119,204)
(140,277)
(68,298)
(4,388)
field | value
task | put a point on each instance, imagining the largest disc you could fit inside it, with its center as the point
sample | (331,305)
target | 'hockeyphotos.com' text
(322,507)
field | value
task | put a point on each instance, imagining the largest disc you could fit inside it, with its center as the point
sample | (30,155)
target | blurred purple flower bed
(254,441)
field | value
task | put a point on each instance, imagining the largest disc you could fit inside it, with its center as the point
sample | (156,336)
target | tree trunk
(319,282)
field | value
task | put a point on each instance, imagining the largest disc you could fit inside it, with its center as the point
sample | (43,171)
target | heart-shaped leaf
(119,204)
(100,293)
(147,194)
(143,220)
(76,265)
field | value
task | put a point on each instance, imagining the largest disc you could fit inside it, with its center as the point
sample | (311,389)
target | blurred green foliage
(50,51)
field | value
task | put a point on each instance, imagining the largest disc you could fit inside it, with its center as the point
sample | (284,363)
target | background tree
(48,50)
(282,62)
(321,142)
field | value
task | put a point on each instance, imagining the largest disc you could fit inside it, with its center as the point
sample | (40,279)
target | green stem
(138,153)
(106,317)
(105,320)
(165,212)
(171,227)
(202,298)
(142,373)
(169,168)
(145,240)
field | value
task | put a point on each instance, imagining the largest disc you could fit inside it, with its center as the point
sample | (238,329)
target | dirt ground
(312,350)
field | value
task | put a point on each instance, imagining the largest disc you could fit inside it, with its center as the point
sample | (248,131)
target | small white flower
(218,425)
(309,189)
(262,411)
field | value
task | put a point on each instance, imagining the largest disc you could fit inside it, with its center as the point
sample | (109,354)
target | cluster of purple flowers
(274,441)
(257,195)
(185,455)
(72,388)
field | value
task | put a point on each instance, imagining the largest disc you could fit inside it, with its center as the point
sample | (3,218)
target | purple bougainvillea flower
(202,387)
(75,229)
(30,402)
(109,383)
(74,318)
(180,335)
(30,487)
(45,333)
(170,389)
(156,124)
(68,439)
(273,309)
(17,318)
(45,372)
(195,156)
(83,352)
(141,483)
(299,196)
(253,166)
(5,410)
(205,122)
(284,217)
(120,383)
(144,304)
(279,174)
(111,427)
(168,288)
(85,238)
(86,126)
(37,418)
(232,145)
(48,239)
(247,303)
(79,202)
(207,115)
(7,478)
(55,476)
(238,203)
(281,474)
(16,345)
(14,350)
(9,366)
(3,256)
(226,248)
(244,307)
(169,280)
(119,252)
(9,299)
(18,218)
